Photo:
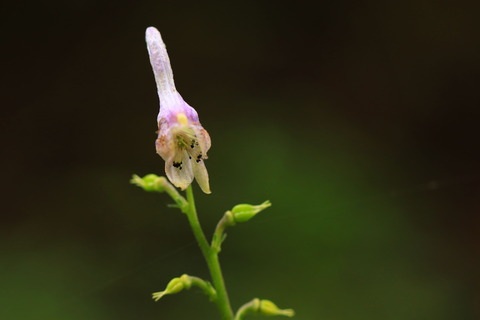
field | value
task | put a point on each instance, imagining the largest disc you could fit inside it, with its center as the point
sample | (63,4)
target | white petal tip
(151,31)
(152,35)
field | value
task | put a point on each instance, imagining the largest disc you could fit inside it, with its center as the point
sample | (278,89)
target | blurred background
(358,120)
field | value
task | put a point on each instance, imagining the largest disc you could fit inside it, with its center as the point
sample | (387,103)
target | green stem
(211,256)
(249,307)
(218,235)
(174,194)
(206,287)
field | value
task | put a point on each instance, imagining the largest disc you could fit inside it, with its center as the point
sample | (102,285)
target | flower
(182,142)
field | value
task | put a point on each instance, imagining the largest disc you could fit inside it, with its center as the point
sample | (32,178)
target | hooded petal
(159,61)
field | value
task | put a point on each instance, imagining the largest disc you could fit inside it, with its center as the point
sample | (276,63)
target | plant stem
(218,235)
(251,306)
(211,257)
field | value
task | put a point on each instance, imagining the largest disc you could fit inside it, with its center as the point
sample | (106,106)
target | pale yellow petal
(201,175)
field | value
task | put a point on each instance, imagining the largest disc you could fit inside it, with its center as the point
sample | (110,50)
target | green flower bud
(267,307)
(174,286)
(245,212)
(151,182)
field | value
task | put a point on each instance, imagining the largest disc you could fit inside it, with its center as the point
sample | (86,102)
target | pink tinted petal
(159,61)
(203,139)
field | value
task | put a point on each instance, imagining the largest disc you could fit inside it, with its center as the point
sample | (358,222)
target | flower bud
(244,212)
(151,182)
(267,307)
(174,286)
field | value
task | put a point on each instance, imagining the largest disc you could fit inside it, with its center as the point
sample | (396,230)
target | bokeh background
(359,120)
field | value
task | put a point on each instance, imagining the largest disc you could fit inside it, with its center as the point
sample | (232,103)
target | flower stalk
(218,292)
(183,143)
(211,257)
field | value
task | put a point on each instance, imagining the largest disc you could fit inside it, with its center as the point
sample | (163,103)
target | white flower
(182,142)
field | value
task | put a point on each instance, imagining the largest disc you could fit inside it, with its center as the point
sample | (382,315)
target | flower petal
(201,175)
(179,170)
(203,139)
(164,144)
(160,61)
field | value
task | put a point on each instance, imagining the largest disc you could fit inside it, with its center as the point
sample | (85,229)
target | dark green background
(359,120)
